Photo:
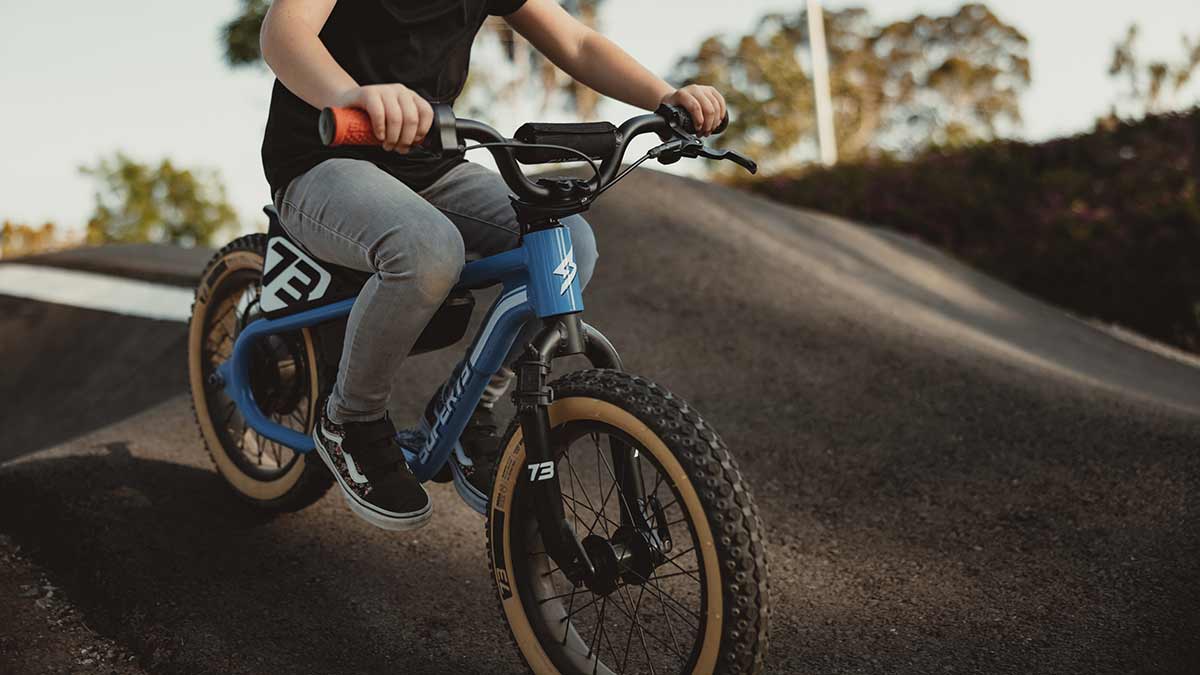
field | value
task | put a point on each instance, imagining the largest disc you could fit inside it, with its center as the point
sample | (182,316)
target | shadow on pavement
(164,558)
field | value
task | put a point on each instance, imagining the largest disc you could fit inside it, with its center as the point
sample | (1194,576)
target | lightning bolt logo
(566,269)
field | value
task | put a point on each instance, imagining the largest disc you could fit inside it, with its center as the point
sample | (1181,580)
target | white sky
(82,79)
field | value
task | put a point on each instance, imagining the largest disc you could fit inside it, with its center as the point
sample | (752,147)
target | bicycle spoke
(604,635)
(574,511)
(675,574)
(621,494)
(595,599)
(600,479)
(571,505)
(658,593)
(555,597)
(259,442)
(656,637)
(229,414)
(567,618)
(598,515)
(679,555)
(645,648)
(670,627)
(632,624)
(278,454)
(596,633)
(571,468)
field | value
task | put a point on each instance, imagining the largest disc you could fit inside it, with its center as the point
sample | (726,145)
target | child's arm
(600,64)
(291,48)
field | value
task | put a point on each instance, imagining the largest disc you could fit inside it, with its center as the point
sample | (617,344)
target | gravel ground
(954,478)
(43,632)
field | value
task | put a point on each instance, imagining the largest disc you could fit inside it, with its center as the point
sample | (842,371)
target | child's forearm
(610,70)
(299,59)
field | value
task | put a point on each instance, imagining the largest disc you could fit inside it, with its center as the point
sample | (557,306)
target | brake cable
(616,179)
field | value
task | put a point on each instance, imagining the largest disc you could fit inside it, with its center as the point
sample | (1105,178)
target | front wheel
(661,508)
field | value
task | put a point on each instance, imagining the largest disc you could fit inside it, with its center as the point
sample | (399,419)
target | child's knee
(440,260)
(431,256)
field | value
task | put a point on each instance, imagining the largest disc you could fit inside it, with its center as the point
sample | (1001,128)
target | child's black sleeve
(504,7)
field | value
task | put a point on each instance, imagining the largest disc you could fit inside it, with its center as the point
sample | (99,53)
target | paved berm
(955,478)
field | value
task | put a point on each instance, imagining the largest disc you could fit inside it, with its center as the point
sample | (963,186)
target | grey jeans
(351,213)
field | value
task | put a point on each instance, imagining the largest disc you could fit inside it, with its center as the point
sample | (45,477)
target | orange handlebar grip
(347,126)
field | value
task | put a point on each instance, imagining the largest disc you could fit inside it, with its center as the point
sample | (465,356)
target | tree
(897,88)
(17,239)
(240,37)
(138,202)
(1154,86)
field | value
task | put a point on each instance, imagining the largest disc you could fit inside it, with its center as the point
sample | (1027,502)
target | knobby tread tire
(723,493)
(315,479)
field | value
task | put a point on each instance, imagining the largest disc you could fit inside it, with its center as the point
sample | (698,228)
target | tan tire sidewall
(579,408)
(249,486)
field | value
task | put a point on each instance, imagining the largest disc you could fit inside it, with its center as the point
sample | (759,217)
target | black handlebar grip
(689,124)
(443,133)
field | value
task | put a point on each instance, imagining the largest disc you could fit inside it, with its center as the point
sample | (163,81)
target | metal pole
(820,62)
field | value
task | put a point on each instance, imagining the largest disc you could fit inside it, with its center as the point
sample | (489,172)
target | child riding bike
(410,221)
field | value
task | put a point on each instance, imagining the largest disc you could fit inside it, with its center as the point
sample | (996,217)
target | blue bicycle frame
(538,279)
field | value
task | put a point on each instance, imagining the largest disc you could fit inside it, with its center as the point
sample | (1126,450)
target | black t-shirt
(422,44)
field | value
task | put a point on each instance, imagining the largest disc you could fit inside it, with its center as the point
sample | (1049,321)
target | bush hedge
(1106,224)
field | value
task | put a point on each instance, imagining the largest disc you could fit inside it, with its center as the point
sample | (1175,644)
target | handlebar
(447,136)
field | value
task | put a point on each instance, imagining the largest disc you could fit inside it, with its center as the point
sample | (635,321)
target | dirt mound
(954,477)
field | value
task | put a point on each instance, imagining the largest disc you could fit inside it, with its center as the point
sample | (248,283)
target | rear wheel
(285,380)
(680,588)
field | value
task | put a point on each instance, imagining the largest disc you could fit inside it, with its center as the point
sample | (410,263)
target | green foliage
(1154,86)
(899,87)
(138,202)
(1105,224)
(18,239)
(239,35)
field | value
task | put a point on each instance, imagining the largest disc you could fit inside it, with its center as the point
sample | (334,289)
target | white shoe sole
(383,519)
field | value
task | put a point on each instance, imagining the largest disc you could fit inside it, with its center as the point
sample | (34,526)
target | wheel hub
(627,557)
(274,376)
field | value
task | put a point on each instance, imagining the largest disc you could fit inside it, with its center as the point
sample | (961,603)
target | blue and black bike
(621,535)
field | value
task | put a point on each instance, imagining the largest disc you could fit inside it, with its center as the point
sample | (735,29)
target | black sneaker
(369,465)
(473,461)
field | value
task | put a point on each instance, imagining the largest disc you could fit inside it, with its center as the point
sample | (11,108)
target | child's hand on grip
(399,116)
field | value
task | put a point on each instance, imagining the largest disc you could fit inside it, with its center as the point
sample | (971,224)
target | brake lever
(672,151)
(731,155)
(669,152)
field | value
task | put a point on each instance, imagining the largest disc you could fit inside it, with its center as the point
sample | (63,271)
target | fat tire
(314,480)
(723,493)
